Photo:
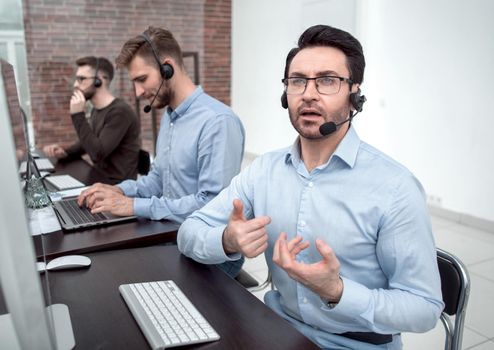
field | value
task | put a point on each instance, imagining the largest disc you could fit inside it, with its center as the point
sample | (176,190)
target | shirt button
(311,184)
(305,300)
(302,223)
(171,124)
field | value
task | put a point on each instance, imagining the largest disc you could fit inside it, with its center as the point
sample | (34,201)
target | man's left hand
(322,277)
(111,201)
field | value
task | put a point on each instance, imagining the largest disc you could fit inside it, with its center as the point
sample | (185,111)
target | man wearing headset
(344,228)
(200,144)
(111,138)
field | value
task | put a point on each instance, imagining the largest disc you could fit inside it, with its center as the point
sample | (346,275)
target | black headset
(357,100)
(166,69)
(97,81)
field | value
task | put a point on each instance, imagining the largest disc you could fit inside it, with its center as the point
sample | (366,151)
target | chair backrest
(455,286)
(144,162)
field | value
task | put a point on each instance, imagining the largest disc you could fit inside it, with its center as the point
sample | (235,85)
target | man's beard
(310,129)
(89,93)
(164,97)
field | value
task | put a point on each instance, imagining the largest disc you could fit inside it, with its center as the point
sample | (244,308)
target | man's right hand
(248,237)
(54,151)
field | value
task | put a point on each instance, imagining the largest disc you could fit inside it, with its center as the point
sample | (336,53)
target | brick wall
(217,48)
(58,32)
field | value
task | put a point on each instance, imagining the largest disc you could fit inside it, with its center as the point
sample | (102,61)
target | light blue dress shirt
(368,208)
(199,150)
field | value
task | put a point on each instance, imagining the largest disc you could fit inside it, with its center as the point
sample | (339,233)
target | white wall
(429,67)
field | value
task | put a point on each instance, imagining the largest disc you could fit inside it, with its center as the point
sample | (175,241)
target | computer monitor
(17,120)
(28,323)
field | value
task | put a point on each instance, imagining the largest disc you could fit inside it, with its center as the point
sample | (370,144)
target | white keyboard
(63,182)
(41,164)
(166,317)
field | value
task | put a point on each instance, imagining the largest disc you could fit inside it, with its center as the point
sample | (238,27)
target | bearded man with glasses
(111,136)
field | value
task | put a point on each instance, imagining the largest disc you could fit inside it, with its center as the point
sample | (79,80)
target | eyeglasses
(80,78)
(326,85)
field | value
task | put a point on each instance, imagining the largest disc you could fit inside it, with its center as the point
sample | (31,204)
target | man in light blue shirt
(200,143)
(344,228)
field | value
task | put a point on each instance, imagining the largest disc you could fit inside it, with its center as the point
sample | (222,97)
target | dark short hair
(104,66)
(323,35)
(163,42)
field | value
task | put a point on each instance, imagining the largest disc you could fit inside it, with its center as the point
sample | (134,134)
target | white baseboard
(463,219)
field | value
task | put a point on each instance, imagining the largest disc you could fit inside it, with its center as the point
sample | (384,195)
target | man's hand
(248,237)
(96,192)
(113,202)
(322,277)
(54,151)
(77,102)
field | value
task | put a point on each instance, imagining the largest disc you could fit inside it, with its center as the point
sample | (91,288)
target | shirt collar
(184,106)
(347,149)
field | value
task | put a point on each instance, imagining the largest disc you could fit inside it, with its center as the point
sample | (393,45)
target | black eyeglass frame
(80,78)
(341,79)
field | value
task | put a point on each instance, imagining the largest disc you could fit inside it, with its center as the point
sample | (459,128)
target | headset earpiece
(97,81)
(284,100)
(166,69)
(357,100)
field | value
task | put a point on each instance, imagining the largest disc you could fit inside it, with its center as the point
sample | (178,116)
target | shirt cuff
(78,116)
(142,207)
(128,187)
(354,301)
(215,245)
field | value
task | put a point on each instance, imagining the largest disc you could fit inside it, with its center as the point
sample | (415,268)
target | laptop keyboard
(80,215)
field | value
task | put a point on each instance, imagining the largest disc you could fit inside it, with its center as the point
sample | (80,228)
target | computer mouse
(68,262)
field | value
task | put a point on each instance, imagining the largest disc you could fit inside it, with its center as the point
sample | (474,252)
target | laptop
(73,217)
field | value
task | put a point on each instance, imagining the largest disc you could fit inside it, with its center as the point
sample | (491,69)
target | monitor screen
(25,322)
(17,119)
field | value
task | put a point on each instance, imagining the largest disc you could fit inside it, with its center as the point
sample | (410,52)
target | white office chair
(455,286)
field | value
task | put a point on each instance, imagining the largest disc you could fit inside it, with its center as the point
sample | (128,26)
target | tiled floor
(476,249)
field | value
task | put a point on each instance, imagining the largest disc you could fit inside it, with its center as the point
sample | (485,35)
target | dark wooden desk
(101,319)
(128,234)
(82,171)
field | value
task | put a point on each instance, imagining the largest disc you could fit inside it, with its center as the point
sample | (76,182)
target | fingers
(46,150)
(238,210)
(115,204)
(49,150)
(59,152)
(77,102)
(88,192)
(256,246)
(78,96)
(256,223)
(285,253)
(325,250)
(328,255)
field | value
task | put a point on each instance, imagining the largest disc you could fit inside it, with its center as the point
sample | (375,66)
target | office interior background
(427,81)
